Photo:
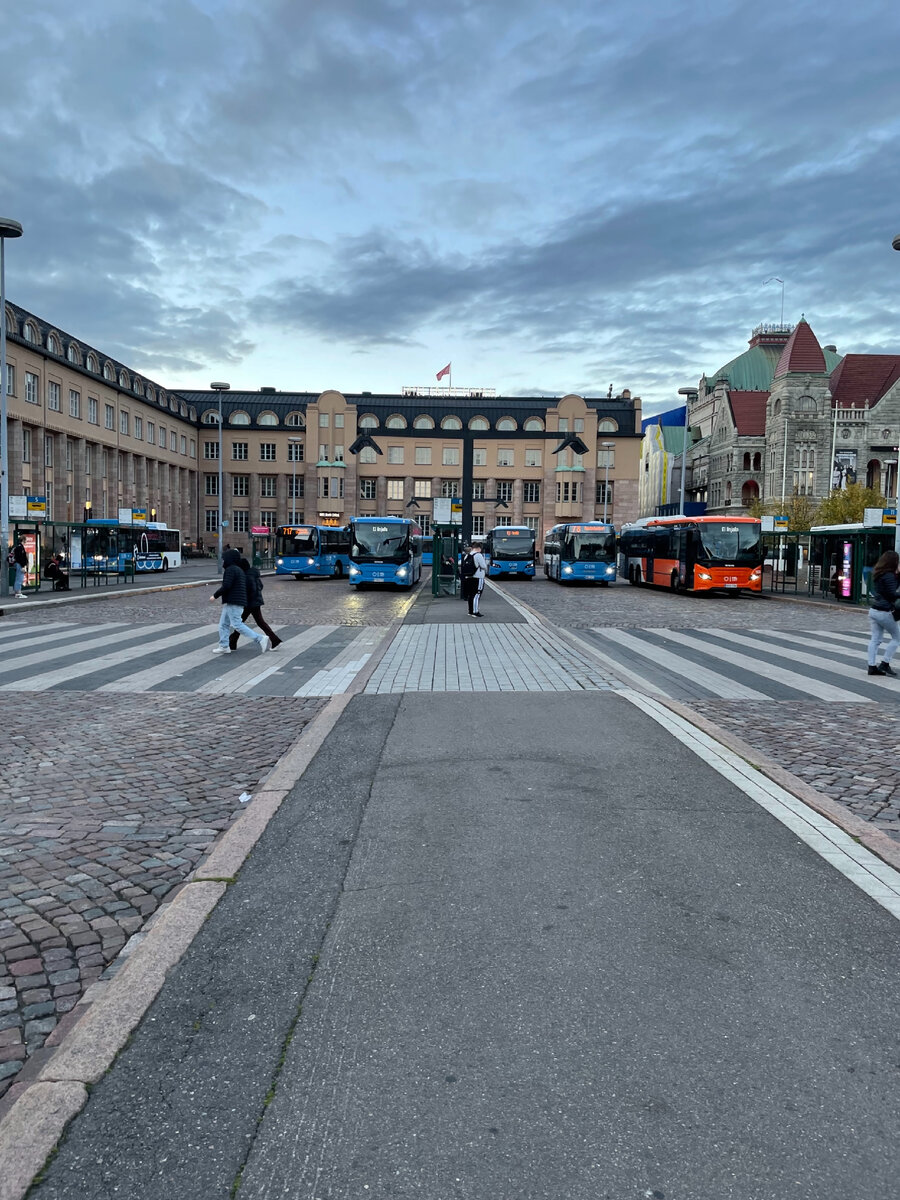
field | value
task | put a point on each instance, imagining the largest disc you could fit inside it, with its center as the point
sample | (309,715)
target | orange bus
(693,554)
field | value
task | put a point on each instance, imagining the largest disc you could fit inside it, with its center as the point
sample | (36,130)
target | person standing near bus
(234,600)
(254,604)
(882,609)
(19,559)
(473,569)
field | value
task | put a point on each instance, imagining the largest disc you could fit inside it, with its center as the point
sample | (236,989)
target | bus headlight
(401,572)
(610,570)
(704,576)
(754,575)
(310,562)
(355,571)
(279,562)
(567,570)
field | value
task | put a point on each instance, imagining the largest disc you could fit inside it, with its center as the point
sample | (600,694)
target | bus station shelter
(92,554)
(841,558)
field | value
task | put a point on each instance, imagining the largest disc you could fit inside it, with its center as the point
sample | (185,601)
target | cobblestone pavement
(288,601)
(106,804)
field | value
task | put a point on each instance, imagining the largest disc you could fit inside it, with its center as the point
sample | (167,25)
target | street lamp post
(294,440)
(607,446)
(8,229)
(896,244)
(219,388)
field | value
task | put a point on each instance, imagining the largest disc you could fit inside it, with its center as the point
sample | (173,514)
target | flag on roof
(446,371)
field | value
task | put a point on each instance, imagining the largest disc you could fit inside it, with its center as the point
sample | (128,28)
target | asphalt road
(500,947)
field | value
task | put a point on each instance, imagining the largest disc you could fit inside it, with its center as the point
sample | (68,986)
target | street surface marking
(860,866)
(713,681)
(243,675)
(334,679)
(39,637)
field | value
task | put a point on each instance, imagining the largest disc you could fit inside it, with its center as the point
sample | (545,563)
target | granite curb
(37,1110)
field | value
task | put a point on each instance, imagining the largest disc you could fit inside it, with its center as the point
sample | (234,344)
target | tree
(800,511)
(845,505)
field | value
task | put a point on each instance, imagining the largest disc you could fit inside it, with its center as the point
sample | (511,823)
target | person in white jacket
(473,570)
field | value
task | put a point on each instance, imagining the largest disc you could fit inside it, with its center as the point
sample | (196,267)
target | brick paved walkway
(106,804)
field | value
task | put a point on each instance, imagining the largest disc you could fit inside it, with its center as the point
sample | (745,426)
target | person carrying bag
(883,612)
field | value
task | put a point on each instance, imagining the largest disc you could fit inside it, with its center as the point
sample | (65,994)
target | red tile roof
(863,377)
(749,412)
(802,353)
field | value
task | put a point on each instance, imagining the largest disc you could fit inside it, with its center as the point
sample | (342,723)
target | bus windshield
(299,540)
(591,547)
(516,546)
(386,543)
(732,543)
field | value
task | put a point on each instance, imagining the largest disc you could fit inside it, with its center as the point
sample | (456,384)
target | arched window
(149,392)
(182,409)
(109,371)
(368,421)
(728,492)
(479,423)
(193,413)
(210,417)
(295,420)
(873,474)
(73,354)
(746,460)
(93,363)
(137,386)
(423,421)
(506,425)
(533,425)
(53,343)
(451,423)
(238,418)
(776,408)
(267,418)
(124,380)
(806,404)
(607,425)
(749,492)
(173,404)
(395,421)
(11,324)
(757,461)
(30,332)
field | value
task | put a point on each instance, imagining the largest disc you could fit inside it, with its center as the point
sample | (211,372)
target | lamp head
(220,387)
(9,228)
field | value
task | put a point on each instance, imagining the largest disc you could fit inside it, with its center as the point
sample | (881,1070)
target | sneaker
(265,645)
(477,614)
(886,669)
(877,671)
(221,650)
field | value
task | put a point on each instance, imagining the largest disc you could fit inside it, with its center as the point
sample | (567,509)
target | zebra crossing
(319,660)
(743,664)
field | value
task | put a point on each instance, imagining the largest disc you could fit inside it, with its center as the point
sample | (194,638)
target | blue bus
(385,550)
(106,546)
(581,552)
(320,550)
(509,550)
(427,550)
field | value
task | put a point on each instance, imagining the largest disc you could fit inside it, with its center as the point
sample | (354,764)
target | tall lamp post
(294,441)
(8,229)
(607,446)
(896,244)
(219,388)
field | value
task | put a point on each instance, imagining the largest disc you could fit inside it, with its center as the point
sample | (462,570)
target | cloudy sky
(351,193)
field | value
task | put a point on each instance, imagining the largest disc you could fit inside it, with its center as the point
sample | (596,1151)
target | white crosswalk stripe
(712,680)
(248,675)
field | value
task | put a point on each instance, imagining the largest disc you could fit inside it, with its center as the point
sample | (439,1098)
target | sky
(311,194)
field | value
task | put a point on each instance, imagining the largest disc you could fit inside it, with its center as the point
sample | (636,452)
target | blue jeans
(231,619)
(20,577)
(882,623)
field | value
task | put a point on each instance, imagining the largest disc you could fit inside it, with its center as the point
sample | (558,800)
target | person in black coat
(882,618)
(253,606)
(234,600)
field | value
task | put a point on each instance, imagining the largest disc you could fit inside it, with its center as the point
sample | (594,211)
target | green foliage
(800,511)
(845,506)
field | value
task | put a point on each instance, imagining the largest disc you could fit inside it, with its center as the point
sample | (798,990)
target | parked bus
(320,550)
(581,552)
(427,550)
(509,550)
(693,554)
(385,550)
(156,547)
(110,547)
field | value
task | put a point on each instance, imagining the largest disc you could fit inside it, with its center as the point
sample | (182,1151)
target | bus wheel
(338,570)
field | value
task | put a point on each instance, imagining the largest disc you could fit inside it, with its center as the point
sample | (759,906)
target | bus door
(685,547)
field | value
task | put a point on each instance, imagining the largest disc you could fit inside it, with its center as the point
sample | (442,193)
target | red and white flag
(446,371)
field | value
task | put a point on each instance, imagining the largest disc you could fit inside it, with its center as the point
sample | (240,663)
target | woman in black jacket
(254,605)
(881,612)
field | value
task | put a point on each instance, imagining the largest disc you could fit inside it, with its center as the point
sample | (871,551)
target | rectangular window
(504,520)
(578,425)
(566,493)
(478,526)
(478,489)
(267,451)
(604,494)
(183,444)
(450,487)
(563,425)
(269,517)
(295,487)
(324,489)
(423,456)
(531,522)
(395,454)
(367,489)
(505,457)
(212,520)
(504,489)
(479,457)
(606,458)
(338,454)
(53,397)
(323,453)
(268,485)
(109,416)
(532,458)
(151,432)
(173,440)
(212,484)
(210,449)
(31,388)
(532,493)
(240,485)
(323,420)
(425,524)
(123,421)
(241,520)
(368,455)
(337,486)
(26,445)
(193,448)
(395,489)
(74,403)
(422,489)
(239,451)
(139,428)
(295,452)
(339,420)
(10,379)
(162,436)
(48,450)
(450,456)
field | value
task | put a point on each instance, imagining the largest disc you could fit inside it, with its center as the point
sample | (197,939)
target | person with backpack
(472,571)
(18,558)
(254,604)
(883,610)
(234,600)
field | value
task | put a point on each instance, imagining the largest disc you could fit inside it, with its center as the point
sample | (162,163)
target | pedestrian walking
(18,558)
(234,600)
(472,571)
(254,604)
(883,611)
